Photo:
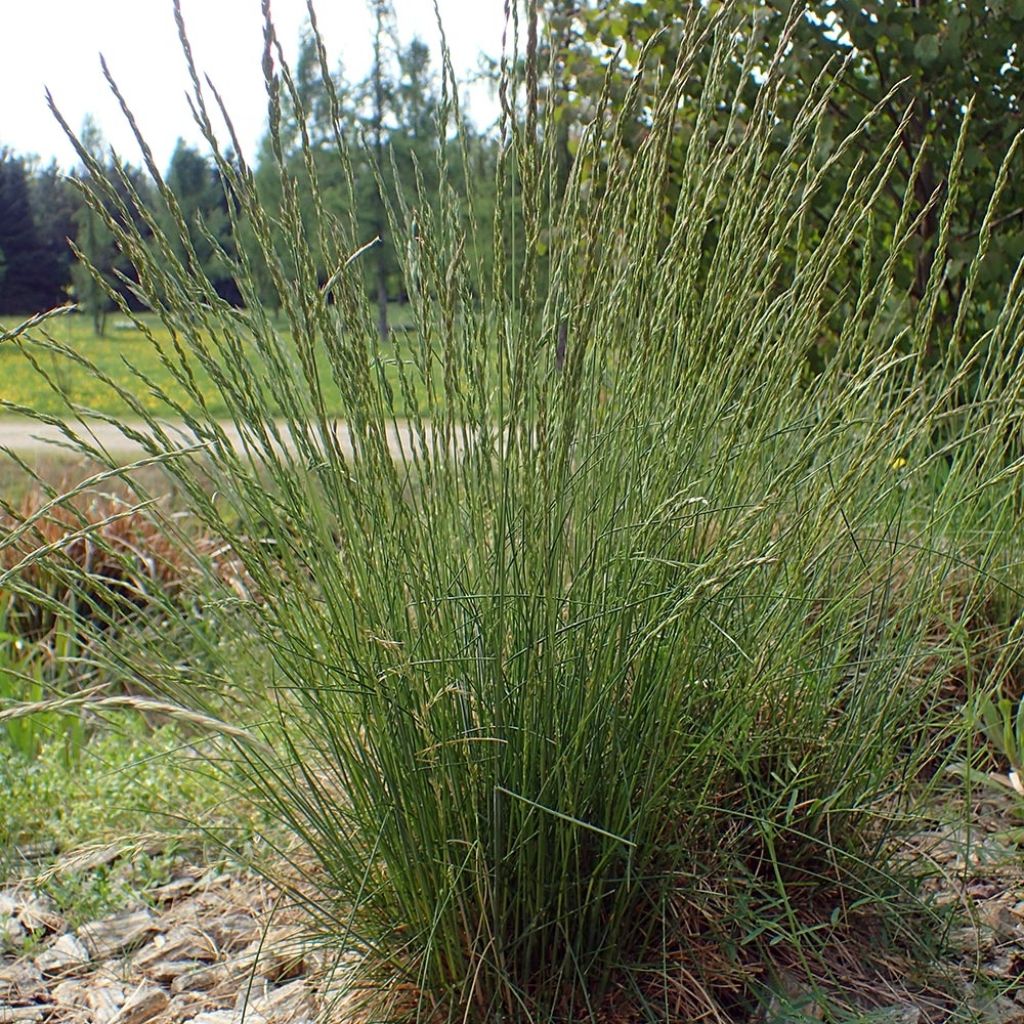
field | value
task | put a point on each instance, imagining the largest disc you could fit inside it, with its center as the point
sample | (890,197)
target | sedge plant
(600,677)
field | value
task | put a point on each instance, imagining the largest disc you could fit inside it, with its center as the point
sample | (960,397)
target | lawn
(126,355)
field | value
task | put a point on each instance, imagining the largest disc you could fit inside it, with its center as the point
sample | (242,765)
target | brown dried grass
(98,557)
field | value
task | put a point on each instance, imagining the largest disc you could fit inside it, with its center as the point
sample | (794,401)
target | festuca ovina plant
(594,682)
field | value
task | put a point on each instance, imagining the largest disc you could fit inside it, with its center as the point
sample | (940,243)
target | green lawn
(124,348)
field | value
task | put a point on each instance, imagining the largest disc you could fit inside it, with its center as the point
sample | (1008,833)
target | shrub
(599,685)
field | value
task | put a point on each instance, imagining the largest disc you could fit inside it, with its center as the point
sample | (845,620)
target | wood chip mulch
(212,946)
(208,948)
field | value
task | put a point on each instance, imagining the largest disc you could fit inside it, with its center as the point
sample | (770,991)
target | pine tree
(24,256)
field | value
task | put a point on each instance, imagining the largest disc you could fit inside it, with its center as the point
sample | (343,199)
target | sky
(56,44)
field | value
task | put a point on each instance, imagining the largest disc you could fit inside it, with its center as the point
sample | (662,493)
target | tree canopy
(34,226)
(913,68)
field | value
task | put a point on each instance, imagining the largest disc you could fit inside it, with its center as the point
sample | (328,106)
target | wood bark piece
(66,954)
(21,1014)
(999,916)
(219,1017)
(281,954)
(232,931)
(252,992)
(37,916)
(168,971)
(278,956)
(202,980)
(185,942)
(185,1006)
(117,933)
(20,982)
(105,1002)
(174,890)
(145,1003)
(69,993)
(996,1009)
(34,912)
(287,1004)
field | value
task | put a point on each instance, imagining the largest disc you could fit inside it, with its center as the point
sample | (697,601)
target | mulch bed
(214,946)
(210,947)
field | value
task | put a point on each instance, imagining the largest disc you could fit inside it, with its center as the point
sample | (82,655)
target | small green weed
(1002,722)
(129,781)
(27,675)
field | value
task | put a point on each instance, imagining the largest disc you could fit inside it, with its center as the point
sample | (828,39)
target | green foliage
(946,61)
(54,207)
(94,276)
(203,206)
(27,676)
(89,288)
(998,722)
(82,896)
(1003,725)
(371,146)
(30,272)
(619,654)
(42,209)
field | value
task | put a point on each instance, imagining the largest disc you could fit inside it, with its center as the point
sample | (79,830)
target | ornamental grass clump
(596,688)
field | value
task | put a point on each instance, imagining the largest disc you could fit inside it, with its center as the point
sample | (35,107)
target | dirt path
(28,437)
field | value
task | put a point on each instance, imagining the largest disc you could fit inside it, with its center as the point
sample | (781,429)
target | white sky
(56,43)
